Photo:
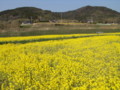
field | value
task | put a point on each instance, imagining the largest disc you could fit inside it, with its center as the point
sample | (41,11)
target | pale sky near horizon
(58,5)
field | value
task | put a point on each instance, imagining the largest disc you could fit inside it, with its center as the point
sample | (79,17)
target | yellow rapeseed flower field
(89,63)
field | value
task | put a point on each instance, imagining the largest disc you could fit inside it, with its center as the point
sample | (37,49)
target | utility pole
(92,20)
(61,16)
(31,19)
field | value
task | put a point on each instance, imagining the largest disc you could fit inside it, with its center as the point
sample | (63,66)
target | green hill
(26,13)
(84,14)
(97,14)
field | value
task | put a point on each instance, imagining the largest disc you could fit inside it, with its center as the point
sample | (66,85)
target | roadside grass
(54,32)
(51,29)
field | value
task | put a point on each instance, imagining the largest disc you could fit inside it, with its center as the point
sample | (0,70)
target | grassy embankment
(62,28)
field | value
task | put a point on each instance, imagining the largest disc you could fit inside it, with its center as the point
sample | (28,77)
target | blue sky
(58,5)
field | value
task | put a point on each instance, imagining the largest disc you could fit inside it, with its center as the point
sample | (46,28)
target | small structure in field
(26,23)
(53,21)
(99,32)
(90,21)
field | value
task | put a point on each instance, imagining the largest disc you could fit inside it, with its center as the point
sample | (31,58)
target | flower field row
(91,63)
(27,38)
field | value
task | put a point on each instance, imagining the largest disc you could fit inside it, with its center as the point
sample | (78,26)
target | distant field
(62,62)
(62,28)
